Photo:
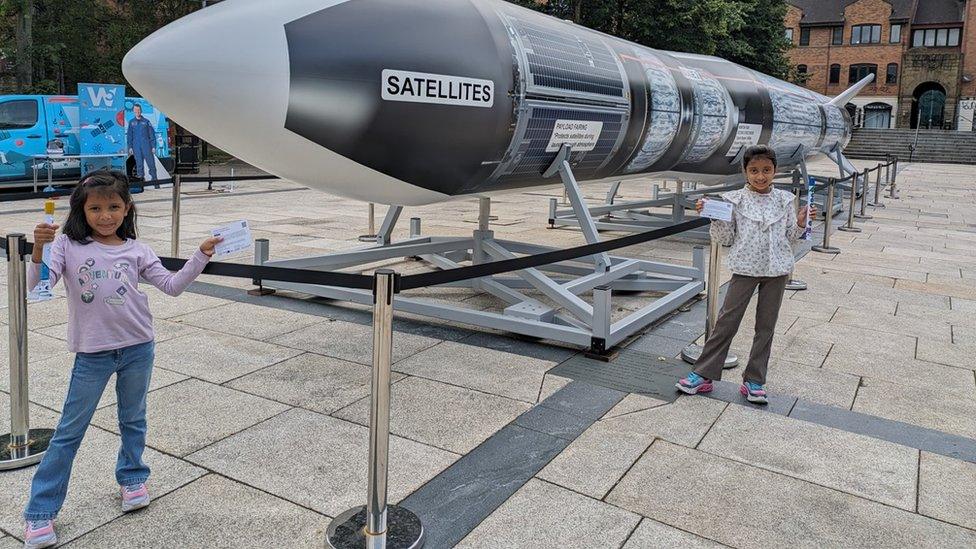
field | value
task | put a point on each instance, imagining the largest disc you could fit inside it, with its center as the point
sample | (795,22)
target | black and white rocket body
(407,102)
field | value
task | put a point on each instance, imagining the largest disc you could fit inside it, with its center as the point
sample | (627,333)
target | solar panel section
(570,61)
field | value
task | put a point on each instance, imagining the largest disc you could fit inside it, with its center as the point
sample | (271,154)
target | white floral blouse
(762,232)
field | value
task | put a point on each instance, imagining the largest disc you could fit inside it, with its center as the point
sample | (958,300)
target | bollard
(877,190)
(175,220)
(378,525)
(793,283)
(371,235)
(863,214)
(23,446)
(692,353)
(829,217)
(849,227)
(892,190)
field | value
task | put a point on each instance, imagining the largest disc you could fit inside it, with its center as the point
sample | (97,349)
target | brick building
(923,53)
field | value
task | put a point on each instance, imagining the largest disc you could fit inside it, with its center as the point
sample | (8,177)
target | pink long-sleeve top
(106,309)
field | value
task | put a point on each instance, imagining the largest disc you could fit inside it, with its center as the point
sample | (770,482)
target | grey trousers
(741,288)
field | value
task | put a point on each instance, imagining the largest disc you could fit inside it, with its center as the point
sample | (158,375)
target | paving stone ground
(258,406)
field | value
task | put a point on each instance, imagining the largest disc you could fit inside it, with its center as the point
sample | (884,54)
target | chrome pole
(795,284)
(865,189)
(22,446)
(829,217)
(692,353)
(379,525)
(849,227)
(877,190)
(175,222)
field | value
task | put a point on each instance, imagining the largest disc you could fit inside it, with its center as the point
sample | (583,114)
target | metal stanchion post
(414,227)
(175,220)
(877,190)
(692,353)
(371,235)
(793,283)
(262,253)
(829,218)
(863,213)
(892,191)
(849,227)
(378,525)
(23,446)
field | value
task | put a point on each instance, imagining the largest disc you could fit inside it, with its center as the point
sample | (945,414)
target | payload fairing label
(581,135)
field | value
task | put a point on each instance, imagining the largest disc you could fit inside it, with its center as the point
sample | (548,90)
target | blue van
(44,124)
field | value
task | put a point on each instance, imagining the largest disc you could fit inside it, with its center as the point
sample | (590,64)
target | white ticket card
(717,209)
(237,237)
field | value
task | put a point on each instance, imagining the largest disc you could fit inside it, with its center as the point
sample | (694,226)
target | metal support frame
(561,313)
(22,446)
(378,525)
(828,221)
(692,353)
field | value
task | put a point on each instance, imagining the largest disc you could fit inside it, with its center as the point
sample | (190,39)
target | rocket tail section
(851,92)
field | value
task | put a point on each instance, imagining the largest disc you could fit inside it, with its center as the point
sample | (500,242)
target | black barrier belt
(548,258)
(363,282)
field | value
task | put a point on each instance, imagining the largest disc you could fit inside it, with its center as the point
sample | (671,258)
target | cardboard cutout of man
(141,137)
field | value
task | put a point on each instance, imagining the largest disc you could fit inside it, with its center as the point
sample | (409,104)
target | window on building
(838,36)
(892,76)
(18,115)
(858,72)
(895,37)
(805,36)
(866,34)
(936,38)
(835,74)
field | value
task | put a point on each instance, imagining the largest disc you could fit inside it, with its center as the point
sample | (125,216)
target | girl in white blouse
(762,233)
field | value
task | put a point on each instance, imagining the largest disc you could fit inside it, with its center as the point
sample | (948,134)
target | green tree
(758,40)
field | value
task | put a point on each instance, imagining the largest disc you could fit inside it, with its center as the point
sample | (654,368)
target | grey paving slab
(43,313)
(806,347)
(453,418)
(458,500)
(541,514)
(213,512)
(550,384)
(250,321)
(352,342)
(947,489)
(856,464)
(923,315)
(964,335)
(911,327)
(332,482)
(496,372)
(630,372)
(963,291)
(553,422)
(93,495)
(593,463)
(790,513)
(728,391)
(925,406)
(39,346)
(532,349)
(7,542)
(189,415)
(900,369)
(584,399)
(658,345)
(312,381)
(634,403)
(651,533)
(49,379)
(217,357)
(907,434)
(950,354)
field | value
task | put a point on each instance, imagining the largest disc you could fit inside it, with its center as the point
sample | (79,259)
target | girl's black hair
(758,151)
(104,182)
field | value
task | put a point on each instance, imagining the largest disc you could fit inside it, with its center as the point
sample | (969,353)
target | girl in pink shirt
(110,329)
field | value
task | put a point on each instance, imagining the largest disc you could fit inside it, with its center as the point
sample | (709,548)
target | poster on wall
(967,115)
(101,113)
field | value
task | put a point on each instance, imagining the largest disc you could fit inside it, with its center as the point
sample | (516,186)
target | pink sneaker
(754,392)
(694,384)
(134,496)
(39,533)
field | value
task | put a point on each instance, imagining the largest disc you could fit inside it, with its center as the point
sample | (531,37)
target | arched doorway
(877,115)
(928,106)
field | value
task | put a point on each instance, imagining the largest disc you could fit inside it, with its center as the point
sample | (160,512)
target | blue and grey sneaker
(693,384)
(753,392)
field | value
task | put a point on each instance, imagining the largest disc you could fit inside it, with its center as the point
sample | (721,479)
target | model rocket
(406,102)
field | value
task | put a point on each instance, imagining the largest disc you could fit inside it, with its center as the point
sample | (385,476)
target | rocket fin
(851,92)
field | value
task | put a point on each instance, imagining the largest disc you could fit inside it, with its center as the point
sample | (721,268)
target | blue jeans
(91,372)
